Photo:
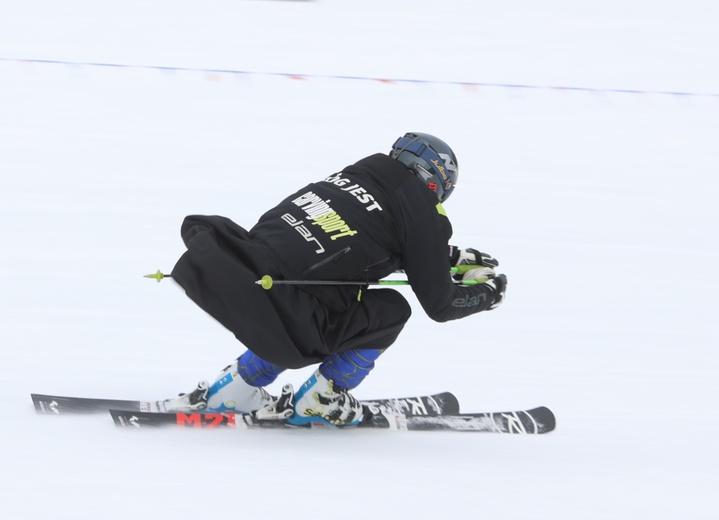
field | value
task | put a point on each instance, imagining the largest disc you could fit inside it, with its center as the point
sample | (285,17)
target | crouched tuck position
(379,215)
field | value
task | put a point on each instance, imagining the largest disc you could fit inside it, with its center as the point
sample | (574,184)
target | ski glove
(498,284)
(470,257)
(481,274)
(473,257)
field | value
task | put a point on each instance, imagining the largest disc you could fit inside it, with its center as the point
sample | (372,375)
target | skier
(382,214)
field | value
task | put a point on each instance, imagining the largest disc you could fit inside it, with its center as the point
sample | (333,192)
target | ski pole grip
(461,269)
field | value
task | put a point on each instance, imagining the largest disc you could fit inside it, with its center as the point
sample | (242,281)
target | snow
(600,205)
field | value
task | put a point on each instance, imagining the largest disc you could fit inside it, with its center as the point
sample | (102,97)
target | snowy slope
(600,205)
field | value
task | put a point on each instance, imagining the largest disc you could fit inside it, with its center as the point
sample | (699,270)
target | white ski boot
(281,408)
(319,400)
(229,393)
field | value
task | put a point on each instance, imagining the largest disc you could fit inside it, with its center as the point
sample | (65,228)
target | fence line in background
(217,75)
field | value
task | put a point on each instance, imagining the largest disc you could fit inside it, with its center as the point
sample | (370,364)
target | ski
(63,405)
(430,405)
(532,421)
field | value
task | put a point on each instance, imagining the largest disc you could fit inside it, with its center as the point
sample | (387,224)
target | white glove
(470,256)
(481,274)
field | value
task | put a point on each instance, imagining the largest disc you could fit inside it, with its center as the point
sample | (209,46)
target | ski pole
(267,281)
(461,269)
(159,275)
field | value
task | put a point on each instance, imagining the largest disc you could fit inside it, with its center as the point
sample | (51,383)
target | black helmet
(430,159)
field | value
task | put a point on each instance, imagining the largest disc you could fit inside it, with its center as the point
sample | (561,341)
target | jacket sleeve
(425,231)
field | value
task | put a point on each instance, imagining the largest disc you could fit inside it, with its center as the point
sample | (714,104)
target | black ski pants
(287,326)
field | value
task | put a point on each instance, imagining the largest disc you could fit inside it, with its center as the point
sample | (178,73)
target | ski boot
(229,393)
(280,409)
(321,400)
(194,401)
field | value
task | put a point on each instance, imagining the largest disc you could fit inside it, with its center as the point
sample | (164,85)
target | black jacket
(364,223)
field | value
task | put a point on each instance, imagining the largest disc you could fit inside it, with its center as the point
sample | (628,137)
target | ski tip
(451,402)
(547,419)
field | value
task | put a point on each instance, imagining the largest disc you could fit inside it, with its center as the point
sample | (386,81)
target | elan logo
(469,301)
(303,231)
